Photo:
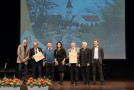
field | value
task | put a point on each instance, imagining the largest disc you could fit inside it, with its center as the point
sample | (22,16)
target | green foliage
(38,10)
(112,29)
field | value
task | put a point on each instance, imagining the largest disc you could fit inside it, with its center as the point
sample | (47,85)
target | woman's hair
(57,45)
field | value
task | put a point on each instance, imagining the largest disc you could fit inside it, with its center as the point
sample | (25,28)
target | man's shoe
(88,83)
(60,83)
(102,83)
(94,83)
(76,83)
(72,82)
(84,83)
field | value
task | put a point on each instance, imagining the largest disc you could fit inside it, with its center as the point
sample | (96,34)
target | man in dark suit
(84,62)
(97,57)
(35,65)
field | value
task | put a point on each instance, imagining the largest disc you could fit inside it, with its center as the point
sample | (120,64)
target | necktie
(36,50)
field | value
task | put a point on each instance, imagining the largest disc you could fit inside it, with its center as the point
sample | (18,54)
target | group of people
(85,58)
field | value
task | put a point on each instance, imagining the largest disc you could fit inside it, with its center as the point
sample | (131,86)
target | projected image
(75,21)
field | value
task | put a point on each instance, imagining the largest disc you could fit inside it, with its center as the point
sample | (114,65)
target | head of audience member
(25,42)
(59,45)
(49,45)
(84,45)
(35,44)
(96,43)
(73,45)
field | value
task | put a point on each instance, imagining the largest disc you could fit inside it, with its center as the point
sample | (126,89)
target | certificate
(72,57)
(39,56)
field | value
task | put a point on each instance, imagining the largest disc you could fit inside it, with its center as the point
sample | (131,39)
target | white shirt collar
(97,47)
(49,48)
(35,48)
(73,48)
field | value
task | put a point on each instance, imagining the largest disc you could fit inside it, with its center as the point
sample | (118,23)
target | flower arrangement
(11,82)
(40,82)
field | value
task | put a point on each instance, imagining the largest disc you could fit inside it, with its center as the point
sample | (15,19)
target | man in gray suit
(22,59)
(97,57)
(73,66)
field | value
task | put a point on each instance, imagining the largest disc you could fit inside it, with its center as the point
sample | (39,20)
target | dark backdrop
(10,37)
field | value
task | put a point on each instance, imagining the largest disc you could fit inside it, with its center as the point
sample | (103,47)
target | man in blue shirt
(49,61)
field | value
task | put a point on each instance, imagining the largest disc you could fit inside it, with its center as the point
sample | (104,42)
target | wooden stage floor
(108,85)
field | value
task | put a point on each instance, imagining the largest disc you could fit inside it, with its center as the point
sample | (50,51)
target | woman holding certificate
(60,56)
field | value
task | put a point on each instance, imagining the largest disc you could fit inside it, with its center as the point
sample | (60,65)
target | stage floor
(108,85)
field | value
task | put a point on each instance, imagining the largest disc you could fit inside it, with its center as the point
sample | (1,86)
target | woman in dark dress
(60,56)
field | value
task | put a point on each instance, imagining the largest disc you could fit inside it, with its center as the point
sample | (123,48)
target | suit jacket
(32,52)
(100,54)
(20,53)
(85,57)
(76,50)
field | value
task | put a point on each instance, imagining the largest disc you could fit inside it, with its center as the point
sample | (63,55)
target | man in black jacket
(84,62)
(97,57)
(35,65)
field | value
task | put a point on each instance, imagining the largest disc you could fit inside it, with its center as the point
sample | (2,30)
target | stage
(108,85)
(114,34)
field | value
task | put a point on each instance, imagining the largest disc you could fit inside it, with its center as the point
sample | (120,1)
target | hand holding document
(63,62)
(72,57)
(39,56)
